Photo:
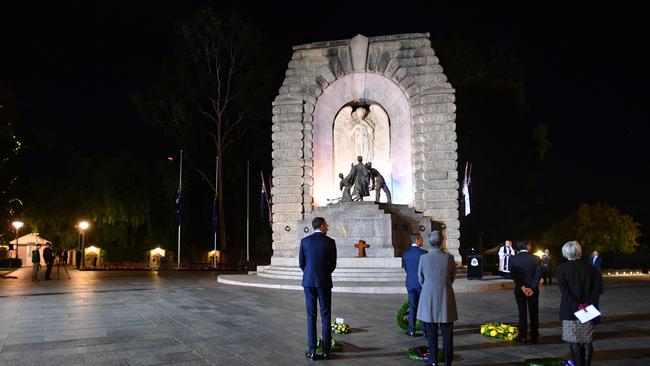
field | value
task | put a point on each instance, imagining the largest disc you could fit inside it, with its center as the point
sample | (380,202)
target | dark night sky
(73,68)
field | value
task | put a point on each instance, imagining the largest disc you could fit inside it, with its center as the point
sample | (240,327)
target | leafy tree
(210,94)
(127,201)
(10,151)
(600,227)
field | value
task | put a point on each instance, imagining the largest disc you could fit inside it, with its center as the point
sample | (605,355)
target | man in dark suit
(596,261)
(526,271)
(410,262)
(317,261)
(48,256)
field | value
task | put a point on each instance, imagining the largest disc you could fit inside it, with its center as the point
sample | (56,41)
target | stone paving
(188,318)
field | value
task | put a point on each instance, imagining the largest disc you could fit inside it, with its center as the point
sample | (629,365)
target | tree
(209,94)
(600,227)
(10,151)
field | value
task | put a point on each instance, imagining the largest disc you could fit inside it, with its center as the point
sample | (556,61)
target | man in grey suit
(436,273)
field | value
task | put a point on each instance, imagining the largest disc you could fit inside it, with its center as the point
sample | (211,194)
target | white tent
(26,244)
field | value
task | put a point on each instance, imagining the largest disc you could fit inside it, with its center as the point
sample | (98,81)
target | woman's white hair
(572,250)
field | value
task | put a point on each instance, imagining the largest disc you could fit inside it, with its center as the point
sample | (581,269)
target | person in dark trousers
(48,257)
(36,261)
(596,261)
(410,262)
(580,285)
(547,261)
(526,271)
(437,307)
(317,261)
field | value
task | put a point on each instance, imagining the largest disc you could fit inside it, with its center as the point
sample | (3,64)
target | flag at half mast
(467,185)
(265,202)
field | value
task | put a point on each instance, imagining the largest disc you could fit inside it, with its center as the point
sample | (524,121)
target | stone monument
(384,98)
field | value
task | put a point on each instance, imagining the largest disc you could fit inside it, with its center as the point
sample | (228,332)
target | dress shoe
(327,356)
(410,334)
(311,355)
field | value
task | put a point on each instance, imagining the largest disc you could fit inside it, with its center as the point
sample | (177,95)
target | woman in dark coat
(580,285)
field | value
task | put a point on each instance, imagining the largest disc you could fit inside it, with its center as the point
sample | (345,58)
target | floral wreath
(500,330)
(403,318)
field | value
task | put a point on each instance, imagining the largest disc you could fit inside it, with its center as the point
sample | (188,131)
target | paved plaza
(188,318)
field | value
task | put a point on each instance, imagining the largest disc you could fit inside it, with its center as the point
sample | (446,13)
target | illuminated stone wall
(402,75)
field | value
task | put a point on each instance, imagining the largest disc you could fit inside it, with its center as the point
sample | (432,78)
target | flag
(269,199)
(178,207)
(265,204)
(467,184)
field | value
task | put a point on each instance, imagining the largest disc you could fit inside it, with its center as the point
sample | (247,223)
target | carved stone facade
(401,74)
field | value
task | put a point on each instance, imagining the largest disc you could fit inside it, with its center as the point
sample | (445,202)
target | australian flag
(265,203)
(178,207)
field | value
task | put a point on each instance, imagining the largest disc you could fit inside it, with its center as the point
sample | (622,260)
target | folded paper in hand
(587,314)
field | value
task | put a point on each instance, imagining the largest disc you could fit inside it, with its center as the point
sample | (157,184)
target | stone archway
(402,74)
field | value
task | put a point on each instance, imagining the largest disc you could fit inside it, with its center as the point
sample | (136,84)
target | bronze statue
(378,183)
(345,185)
(360,176)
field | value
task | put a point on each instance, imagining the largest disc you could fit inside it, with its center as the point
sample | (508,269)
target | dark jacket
(410,262)
(317,260)
(579,283)
(526,270)
(48,255)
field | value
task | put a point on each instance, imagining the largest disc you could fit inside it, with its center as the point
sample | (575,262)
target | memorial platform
(461,285)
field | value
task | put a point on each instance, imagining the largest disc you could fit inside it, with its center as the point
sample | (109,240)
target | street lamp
(83,226)
(17,224)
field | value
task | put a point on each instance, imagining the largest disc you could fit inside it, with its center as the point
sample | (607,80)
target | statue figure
(360,177)
(345,185)
(363,133)
(378,183)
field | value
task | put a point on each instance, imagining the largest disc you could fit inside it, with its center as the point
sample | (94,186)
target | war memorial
(351,115)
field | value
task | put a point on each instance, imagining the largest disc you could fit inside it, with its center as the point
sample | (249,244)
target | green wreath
(335,347)
(417,353)
(403,318)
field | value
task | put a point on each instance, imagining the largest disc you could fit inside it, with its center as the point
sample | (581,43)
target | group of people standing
(429,281)
(48,257)
(580,283)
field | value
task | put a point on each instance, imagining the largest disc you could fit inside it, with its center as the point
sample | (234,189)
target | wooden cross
(361,245)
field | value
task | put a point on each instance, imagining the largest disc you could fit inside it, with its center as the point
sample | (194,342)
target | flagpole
(214,208)
(248,173)
(180,187)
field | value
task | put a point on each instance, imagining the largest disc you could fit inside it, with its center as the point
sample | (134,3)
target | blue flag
(178,208)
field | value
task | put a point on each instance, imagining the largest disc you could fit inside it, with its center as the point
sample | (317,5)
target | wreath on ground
(340,328)
(421,353)
(335,347)
(403,318)
(500,330)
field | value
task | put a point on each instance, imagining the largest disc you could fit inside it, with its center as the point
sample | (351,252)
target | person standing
(48,256)
(546,267)
(317,260)
(526,271)
(437,307)
(596,261)
(360,176)
(36,261)
(410,263)
(580,285)
(505,253)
